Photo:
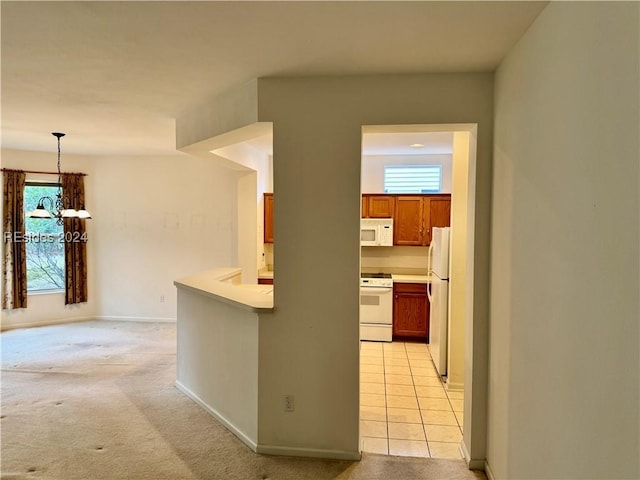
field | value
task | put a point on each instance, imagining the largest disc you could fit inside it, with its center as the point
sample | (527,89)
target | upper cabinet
(416,215)
(268,218)
(408,223)
(378,206)
(439,214)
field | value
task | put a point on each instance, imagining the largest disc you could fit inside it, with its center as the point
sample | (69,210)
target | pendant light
(60,208)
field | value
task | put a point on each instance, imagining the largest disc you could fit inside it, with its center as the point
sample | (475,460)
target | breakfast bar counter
(217,346)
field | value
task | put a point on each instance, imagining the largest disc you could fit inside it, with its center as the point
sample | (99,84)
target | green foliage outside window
(45,248)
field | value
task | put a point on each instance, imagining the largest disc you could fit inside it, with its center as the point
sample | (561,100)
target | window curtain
(14,258)
(75,246)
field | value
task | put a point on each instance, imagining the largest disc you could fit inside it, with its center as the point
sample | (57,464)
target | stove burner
(375,275)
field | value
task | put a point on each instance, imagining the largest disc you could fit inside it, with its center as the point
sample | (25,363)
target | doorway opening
(413,401)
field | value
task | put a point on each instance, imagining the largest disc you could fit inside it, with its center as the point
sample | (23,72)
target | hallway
(404,409)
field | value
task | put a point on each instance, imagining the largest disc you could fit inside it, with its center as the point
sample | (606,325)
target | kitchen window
(44,243)
(412,178)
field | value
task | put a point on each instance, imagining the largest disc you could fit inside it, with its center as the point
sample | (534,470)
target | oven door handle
(375,290)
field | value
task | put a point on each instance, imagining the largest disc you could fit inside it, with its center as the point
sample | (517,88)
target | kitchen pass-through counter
(218,344)
(223,284)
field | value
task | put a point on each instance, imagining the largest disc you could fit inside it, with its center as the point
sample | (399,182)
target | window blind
(412,178)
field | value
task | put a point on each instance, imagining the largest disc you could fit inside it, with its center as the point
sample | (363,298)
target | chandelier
(60,207)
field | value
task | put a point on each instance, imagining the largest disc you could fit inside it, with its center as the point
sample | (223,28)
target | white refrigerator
(438,292)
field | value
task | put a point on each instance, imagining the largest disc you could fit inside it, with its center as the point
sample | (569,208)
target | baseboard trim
(488,472)
(465,452)
(44,323)
(108,318)
(455,387)
(116,318)
(267,449)
(214,413)
(474,464)
(308,452)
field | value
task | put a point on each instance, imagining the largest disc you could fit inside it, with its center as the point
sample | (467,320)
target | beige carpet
(96,401)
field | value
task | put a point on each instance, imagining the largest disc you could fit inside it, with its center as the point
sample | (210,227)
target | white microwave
(376,232)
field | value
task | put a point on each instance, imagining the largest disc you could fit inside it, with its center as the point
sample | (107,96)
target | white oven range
(376,307)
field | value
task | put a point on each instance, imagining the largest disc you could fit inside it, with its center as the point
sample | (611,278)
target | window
(44,239)
(412,178)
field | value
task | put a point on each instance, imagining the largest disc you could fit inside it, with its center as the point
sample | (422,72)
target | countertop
(398,278)
(264,273)
(223,284)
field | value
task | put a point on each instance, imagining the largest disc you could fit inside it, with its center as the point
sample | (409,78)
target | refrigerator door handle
(429,290)
(430,251)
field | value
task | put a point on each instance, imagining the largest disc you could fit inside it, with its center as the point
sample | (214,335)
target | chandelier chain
(62,206)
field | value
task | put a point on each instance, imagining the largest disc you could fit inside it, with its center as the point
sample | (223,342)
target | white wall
(158,219)
(373,169)
(564,365)
(257,179)
(248,228)
(461,271)
(43,309)
(407,260)
(217,360)
(155,219)
(310,348)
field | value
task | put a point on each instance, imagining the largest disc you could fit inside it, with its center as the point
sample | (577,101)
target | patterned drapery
(14,257)
(75,246)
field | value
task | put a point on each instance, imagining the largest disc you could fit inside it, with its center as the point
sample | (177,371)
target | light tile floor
(404,408)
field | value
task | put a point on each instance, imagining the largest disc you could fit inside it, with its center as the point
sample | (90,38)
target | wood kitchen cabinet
(416,215)
(378,206)
(265,281)
(408,222)
(268,218)
(410,310)
(439,214)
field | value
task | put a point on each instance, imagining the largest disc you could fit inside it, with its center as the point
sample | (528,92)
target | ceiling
(391,142)
(407,143)
(115,75)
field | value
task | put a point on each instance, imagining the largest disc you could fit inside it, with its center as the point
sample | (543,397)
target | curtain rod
(39,172)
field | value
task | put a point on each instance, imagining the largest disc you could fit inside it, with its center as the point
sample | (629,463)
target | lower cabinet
(410,310)
(265,281)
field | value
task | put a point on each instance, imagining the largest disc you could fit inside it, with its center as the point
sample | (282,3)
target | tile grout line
(446,391)
(415,391)
(419,356)
(386,405)
(383,383)
(454,412)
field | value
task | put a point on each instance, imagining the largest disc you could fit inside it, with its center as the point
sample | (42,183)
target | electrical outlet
(288,403)
(161,298)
